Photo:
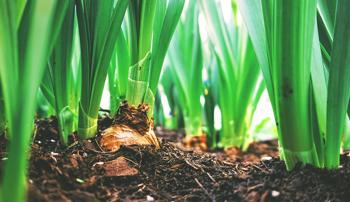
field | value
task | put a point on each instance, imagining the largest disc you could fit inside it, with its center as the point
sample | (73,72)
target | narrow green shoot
(238,74)
(186,63)
(60,81)
(306,69)
(118,73)
(99,25)
(338,85)
(27,29)
(211,94)
(167,102)
(2,114)
(149,38)
(44,108)
(286,64)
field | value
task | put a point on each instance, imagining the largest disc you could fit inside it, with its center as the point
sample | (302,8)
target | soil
(83,172)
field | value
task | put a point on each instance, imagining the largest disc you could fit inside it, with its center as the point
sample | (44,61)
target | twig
(190,164)
(72,145)
(254,187)
(228,163)
(99,146)
(202,187)
(212,179)
(257,167)
(136,164)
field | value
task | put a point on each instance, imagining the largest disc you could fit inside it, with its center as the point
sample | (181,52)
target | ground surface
(82,172)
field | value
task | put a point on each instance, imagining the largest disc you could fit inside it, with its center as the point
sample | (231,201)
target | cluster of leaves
(55,57)
(303,48)
(233,82)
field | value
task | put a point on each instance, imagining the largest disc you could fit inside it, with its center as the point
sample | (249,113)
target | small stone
(275,193)
(98,163)
(149,198)
(52,140)
(266,158)
(85,154)
(79,180)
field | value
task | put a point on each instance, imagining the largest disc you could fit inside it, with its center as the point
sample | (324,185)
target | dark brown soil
(255,152)
(82,172)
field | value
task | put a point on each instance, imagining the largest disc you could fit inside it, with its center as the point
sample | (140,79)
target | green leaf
(118,73)
(167,14)
(253,16)
(327,11)
(339,84)
(164,27)
(282,33)
(22,66)
(99,25)
(59,83)
(186,62)
(238,70)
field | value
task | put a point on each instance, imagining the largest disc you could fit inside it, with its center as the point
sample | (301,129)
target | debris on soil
(196,142)
(117,135)
(167,135)
(131,126)
(119,167)
(84,172)
(135,117)
(255,152)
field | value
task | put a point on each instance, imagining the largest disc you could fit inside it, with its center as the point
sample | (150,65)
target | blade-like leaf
(339,84)
(99,25)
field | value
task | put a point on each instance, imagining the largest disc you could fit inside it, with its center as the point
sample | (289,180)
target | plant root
(131,126)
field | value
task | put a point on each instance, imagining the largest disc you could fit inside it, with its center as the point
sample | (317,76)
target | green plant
(240,86)
(308,81)
(27,31)
(167,111)
(44,108)
(149,28)
(151,25)
(118,72)
(186,63)
(210,93)
(346,143)
(2,114)
(61,82)
(99,25)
